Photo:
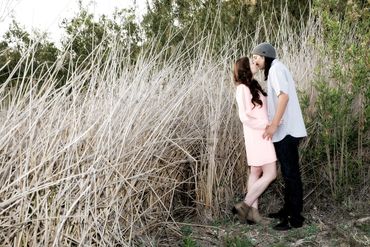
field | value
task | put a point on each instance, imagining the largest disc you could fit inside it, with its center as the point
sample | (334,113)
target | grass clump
(238,242)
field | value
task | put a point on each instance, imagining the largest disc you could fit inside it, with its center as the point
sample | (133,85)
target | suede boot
(256,217)
(242,210)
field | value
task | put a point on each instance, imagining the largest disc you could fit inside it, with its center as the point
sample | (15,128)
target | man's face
(259,61)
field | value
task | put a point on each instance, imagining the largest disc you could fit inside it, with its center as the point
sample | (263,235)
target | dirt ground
(329,226)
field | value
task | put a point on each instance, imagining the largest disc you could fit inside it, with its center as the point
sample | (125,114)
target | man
(286,128)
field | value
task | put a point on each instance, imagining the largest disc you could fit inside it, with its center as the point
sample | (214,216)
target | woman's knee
(256,171)
(270,171)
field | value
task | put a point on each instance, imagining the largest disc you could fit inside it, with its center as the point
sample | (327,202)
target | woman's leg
(254,175)
(259,186)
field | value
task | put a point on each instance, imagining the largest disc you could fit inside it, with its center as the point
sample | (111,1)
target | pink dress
(259,150)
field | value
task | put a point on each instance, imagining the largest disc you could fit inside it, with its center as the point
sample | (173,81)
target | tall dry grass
(121,152)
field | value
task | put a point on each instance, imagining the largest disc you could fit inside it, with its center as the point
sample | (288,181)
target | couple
(273,126)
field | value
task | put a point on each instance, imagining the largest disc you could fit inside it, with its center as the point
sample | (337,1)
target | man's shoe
(296,224)
(282,226)
(296,221)
(250,222)
(278,215)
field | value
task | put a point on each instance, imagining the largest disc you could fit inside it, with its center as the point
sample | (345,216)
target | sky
(46,15)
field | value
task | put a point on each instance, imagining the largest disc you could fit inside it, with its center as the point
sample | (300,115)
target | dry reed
(122,151)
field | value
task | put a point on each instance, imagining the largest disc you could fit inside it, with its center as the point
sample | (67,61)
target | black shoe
(250,222)
(278,215)
(282,226)
(234,211)
(296,224)
(296,221)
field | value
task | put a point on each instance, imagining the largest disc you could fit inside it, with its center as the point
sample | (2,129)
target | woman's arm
(243,98)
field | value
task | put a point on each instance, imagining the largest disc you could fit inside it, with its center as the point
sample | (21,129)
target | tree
(18,44)
(175,21)
(84,33)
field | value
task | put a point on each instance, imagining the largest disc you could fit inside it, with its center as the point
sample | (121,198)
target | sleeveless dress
(259,151)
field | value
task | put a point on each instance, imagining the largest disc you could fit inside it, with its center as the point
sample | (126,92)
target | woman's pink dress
(259,151)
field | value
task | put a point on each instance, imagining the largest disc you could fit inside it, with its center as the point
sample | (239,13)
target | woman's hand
(269,131)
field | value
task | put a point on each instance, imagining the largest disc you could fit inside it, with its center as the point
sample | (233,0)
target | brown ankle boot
(255,215)
(242,210)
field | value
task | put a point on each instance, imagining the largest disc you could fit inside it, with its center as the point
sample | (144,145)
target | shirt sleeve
(279,80)
(243,98)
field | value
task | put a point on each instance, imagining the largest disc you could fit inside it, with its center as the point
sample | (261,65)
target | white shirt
(280,80)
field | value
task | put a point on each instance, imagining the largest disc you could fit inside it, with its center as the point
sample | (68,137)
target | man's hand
(269,131)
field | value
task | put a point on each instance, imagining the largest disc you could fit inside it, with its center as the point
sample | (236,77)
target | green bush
(339,124)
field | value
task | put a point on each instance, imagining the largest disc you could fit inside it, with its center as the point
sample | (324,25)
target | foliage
(15,47)
(84,33)
(176,22)
(170,23)
(238,242)
(340,123)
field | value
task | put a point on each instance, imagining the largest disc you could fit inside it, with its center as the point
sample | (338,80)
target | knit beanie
(264,49)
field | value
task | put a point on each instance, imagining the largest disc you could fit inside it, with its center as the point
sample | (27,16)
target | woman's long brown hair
(243,75)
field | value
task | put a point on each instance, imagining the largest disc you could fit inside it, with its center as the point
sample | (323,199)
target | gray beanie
(264,49)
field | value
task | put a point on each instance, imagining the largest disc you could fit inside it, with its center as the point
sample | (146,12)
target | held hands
(269,131)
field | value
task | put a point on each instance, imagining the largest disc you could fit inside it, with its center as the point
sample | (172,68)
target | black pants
(287,154)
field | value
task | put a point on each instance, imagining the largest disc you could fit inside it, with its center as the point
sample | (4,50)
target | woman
(261,157)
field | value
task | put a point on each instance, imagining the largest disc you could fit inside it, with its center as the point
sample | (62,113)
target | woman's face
(253,67)
(235,77)
(259,61)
